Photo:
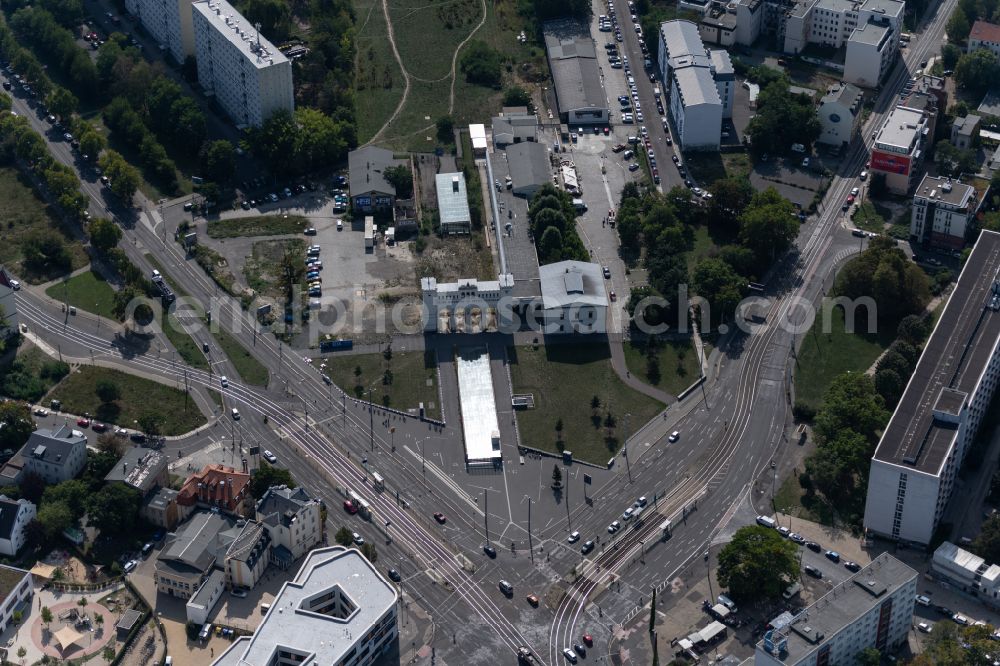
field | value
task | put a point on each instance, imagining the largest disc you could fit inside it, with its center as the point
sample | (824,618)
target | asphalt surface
(729,434)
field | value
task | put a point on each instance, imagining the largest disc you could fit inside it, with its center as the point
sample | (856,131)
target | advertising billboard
(891,162)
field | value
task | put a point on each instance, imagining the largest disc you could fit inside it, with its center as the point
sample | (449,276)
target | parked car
(440,517)
(394,576)
(813,546)
(853,567)
(532,599)
(574,537)
(614,527)
(567,652)
(833,556)
(813,571)
(357,539)
(239,593)
(506,588)
(587,547)
(129,566)
(270,457)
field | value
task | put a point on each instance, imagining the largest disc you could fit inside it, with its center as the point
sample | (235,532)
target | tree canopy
(17,425)
(782,119)
(266,476)
(482,64)
(897,285)
(553,224)
(976,71)
(114,509)
(758,564)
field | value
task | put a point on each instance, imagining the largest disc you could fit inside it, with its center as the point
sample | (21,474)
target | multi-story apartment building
(54,455)
(914,467)
(700,84)
(898,151)
(873,608)
(168,22)
(985,36)
(337,610)
(942,212)
(292,517)
(245,73)
(14,518)
(840,114)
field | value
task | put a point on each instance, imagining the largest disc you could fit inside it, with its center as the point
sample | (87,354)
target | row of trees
(303,142)
(57,45)
(553,225)
(121,118)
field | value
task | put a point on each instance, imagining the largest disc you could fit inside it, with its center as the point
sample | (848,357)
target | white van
(579,205)
(767,521)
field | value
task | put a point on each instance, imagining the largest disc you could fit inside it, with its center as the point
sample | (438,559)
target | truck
(665,529)
(369,232)
(656,92)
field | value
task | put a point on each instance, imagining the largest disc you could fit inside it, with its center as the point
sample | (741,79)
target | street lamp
(628,465)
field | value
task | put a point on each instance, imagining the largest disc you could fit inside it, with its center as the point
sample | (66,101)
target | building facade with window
(246,74)
(918,457)
(943,211)
(169,22)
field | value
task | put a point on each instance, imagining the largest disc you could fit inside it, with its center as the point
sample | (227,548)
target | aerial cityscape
(535,332)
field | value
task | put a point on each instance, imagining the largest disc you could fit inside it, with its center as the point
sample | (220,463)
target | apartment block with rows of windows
(248,77)
(914,467)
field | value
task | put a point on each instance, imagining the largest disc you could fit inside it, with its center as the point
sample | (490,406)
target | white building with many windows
(700,83)
(338,610)
(914,467)
(246,74)
(168,22)
(873,608)
(942,212)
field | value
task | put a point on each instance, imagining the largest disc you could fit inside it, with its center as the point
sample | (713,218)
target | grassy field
(564,379)
(139,396)
(258,225)
(251,370)
(793,500)
(30,374)
(414,379)
(262,268)
(23,214)
(823,356)
(87,291)
(445,24)
(677,364)
(185,345)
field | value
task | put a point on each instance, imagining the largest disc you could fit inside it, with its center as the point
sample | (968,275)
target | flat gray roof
(325,639)
(846,94)
(690,63)
(900,128)
(573,62)
(572,283)
(954,359)
(453,199)
(138,468)
(529,164)
(478,403)
(367,167)
(843,605)
(870,33)
(890,8)
(255,49)
(951,192)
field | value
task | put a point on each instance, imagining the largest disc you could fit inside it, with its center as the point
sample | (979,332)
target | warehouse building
(914,468)
(529,167)
(245,73)
(579,90)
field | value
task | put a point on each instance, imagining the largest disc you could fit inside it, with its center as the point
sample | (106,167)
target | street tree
(266,476)
(61,102)
(368,550)
(218,159)
(556,474)
(149,423)
(758,564)
(52,519)
(720,286)
(869,657)
(46,616)
(344,537)
(977,70)
(851,404)
(104,234)
(114,509)
(768,226)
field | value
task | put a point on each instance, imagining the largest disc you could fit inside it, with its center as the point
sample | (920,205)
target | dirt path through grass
(407,76)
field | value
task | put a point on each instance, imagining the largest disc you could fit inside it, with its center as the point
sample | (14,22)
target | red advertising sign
(890,162)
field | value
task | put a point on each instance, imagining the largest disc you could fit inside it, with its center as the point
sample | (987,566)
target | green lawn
(708,239)
(185,345)
(177,412)
(564,379)
(871,217)
(792,499)
(824,356)
(677,364)
(257,225)
(87,291)
(22,214)
(251,370)
(414,379)
(378,81)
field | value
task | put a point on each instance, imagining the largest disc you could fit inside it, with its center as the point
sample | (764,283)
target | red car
(589,640)
(349,507)
(83,423)
(607,131)
(438,516)
(98,427)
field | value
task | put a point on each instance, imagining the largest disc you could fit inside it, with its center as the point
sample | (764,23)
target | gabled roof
(983,31)
(367,170)
(52,446)
(279,501)
(196,544)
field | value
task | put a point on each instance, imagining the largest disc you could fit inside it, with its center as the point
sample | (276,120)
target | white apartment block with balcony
(917,460)
(247,75)
(168,22)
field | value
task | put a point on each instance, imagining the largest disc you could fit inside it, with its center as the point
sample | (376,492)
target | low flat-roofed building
(514,125)
(142,469)
(943,211)
(453,203)
(201,604)
(477,134)
(529,167)
(574,299)
(572,58)
(968,572)
(872,608)
(370,190)
(16,588)
(921,450)
(338,610)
